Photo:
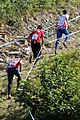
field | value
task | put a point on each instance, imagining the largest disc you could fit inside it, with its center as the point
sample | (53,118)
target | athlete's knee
(58,41)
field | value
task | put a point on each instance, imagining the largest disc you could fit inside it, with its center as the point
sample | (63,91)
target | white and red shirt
(36,35)
(62,22)
(14,63)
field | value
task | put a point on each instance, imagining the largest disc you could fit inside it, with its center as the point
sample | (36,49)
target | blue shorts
(60,32)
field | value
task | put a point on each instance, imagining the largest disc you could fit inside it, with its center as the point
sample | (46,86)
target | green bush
(56,94)
(60,90)
(19,8)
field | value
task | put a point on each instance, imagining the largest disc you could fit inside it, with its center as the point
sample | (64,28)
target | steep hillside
(9,110)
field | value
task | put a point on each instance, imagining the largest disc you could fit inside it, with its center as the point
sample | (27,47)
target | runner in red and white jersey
(36,38)
(62,24)
(14,68)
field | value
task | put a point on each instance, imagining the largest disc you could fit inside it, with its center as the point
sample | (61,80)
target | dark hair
(64,12)
(39,27)
(17,56)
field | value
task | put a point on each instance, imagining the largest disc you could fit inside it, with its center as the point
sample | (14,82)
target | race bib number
(35,36)
(12,63)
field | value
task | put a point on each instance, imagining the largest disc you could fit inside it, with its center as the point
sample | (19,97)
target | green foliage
(57,95)
(16,9)
(61,86)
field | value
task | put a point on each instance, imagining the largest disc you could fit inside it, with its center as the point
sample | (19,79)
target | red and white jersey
(36,35)
(14,63)
(62,22)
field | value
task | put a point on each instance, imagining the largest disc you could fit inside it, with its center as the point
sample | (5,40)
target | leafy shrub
(56,94)
(60,82)
(20,8)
